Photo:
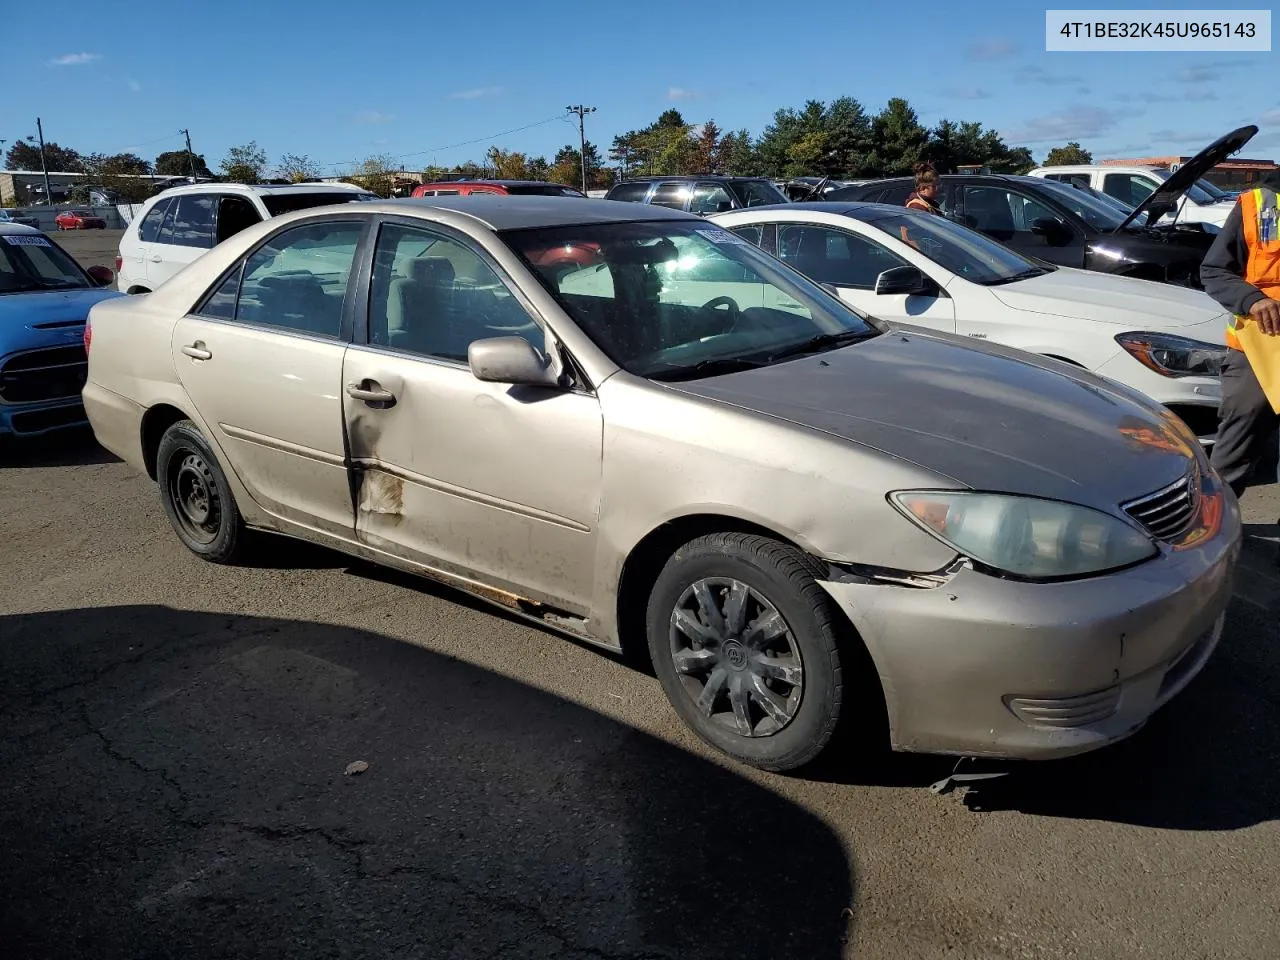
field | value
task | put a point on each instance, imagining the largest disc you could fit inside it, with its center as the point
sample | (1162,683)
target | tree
(898,140)
(175,163)
(120,173)
(539,169)
(376,174)
(245,163)
(25,155)
(1071,153)
(297,167)
(507,164)
(738,157)
(566,167)
(817,140)
(706,157)
(664,147)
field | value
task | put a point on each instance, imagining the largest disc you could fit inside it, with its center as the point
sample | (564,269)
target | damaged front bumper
(975,665)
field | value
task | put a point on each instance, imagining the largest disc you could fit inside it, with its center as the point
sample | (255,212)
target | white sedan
(1163,340)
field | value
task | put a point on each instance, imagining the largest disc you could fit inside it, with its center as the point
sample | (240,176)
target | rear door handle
(196,351)
(369,391)
(156,258)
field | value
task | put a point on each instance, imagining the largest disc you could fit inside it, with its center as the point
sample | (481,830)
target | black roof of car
(500,183)
(686,176)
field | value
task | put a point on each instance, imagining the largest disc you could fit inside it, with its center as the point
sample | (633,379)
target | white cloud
(476,93)
(74,59)
(1033,74)
(992,48)
(374,116)
(968,93)
(1075,123)
(680,93)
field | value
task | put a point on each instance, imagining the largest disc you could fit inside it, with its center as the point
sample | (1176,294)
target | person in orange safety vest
(1242,272)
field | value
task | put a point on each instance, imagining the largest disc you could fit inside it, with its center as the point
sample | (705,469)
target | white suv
(178,225)
(1202,203)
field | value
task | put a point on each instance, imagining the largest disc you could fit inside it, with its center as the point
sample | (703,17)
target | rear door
(261,359)
(135,256)
(851,263)
(186,233)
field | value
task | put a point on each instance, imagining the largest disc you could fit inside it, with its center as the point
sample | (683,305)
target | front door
(1024,223)
(261,359)
(494,483)
(850,263)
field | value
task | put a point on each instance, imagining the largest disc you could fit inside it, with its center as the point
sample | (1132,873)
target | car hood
(47,317)
(1108,298)
(1165,197)
(984,416)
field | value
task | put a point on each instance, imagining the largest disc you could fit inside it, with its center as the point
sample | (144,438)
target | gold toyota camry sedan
(633,426)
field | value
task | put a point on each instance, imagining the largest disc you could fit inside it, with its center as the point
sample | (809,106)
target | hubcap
(195,495)
(737,658)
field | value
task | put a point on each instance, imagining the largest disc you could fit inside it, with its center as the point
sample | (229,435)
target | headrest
(436,271)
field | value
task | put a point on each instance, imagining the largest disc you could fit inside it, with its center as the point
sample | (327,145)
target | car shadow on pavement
(67,448)
(179,785)
(1209,760)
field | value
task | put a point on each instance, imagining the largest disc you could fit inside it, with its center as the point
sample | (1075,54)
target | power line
(465,143)
(147,143)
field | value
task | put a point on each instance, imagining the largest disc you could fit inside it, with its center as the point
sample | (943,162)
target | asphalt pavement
(177,738)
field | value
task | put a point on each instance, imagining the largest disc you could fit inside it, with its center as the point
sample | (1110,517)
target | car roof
(517,211)
(260,188)
(16,228)
(496,183)
(854,209)
(649,178)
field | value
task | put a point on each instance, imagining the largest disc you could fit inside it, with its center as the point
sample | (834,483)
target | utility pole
(44,166)
(582,112)
(191,157)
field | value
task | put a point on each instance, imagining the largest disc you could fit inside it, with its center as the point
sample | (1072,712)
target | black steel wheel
(196,496)
(746,646)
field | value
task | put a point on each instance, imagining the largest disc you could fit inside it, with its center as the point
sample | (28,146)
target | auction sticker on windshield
(26,241)
(720,236)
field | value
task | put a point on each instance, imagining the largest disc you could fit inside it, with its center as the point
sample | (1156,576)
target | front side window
(710,198)
(671,195)
(672,300)
(193,221)
(33,262)
(149,229)
(1093,207)
(433,296)
(1128,187)
(833,256)
(295,281)
(964,252)
(1005,214)
(235,214)
(758,193)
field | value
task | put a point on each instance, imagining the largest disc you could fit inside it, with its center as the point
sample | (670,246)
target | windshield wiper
(56,283)
(824,341)
(707,368)
(1020,275)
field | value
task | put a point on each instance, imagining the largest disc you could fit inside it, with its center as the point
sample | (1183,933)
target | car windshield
(33,262)
(966,253)
(757,193)
(674,300)
(1197,191)
(1085,203)
(278,203)
(543,190)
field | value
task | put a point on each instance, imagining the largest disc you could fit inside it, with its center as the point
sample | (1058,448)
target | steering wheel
(734,312)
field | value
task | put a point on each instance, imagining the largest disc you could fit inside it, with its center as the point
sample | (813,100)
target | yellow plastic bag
(1264,356)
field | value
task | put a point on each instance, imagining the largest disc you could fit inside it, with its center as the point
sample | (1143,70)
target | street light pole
(582,112)
(44,166)
(191,157)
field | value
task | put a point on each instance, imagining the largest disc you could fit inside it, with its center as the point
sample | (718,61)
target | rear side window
(193,221)
(632,192)
(896,193)
(166,227)
(149,229)
(277,203)
(235,214)
(671,195)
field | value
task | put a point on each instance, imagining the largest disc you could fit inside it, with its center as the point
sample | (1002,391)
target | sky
(335,83)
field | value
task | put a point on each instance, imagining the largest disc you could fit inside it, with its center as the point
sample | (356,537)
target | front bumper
(1194,399)
(984,667)
(38,419)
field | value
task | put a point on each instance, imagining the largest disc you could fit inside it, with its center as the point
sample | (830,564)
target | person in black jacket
(1247,421)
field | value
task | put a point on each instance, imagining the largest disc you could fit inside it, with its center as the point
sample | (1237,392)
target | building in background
(1232,174)
(26,187)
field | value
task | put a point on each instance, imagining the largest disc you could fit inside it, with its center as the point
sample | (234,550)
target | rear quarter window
(632,192)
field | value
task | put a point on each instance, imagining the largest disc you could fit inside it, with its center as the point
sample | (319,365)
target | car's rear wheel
(196,496)
(746,646)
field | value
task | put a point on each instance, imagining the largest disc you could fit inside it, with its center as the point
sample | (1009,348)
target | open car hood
(1166,196)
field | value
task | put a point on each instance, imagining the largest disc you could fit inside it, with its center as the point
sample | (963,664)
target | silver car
(632,426)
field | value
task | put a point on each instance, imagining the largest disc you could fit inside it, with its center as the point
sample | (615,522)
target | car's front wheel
(196,496)
(746,646)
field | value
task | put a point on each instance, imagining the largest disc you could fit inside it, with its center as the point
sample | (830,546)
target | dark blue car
(44,299)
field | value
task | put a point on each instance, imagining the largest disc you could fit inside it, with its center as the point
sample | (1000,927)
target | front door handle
(196,351)
(369,391)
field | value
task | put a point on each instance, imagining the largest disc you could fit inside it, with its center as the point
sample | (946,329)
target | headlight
(1025,536)
(1172,356)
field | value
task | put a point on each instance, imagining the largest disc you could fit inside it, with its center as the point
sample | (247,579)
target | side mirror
(102,276)
(511,360)
(1054,231)
(902,280)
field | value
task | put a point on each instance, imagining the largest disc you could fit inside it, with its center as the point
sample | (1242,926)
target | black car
(1074,226)
(698,194)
